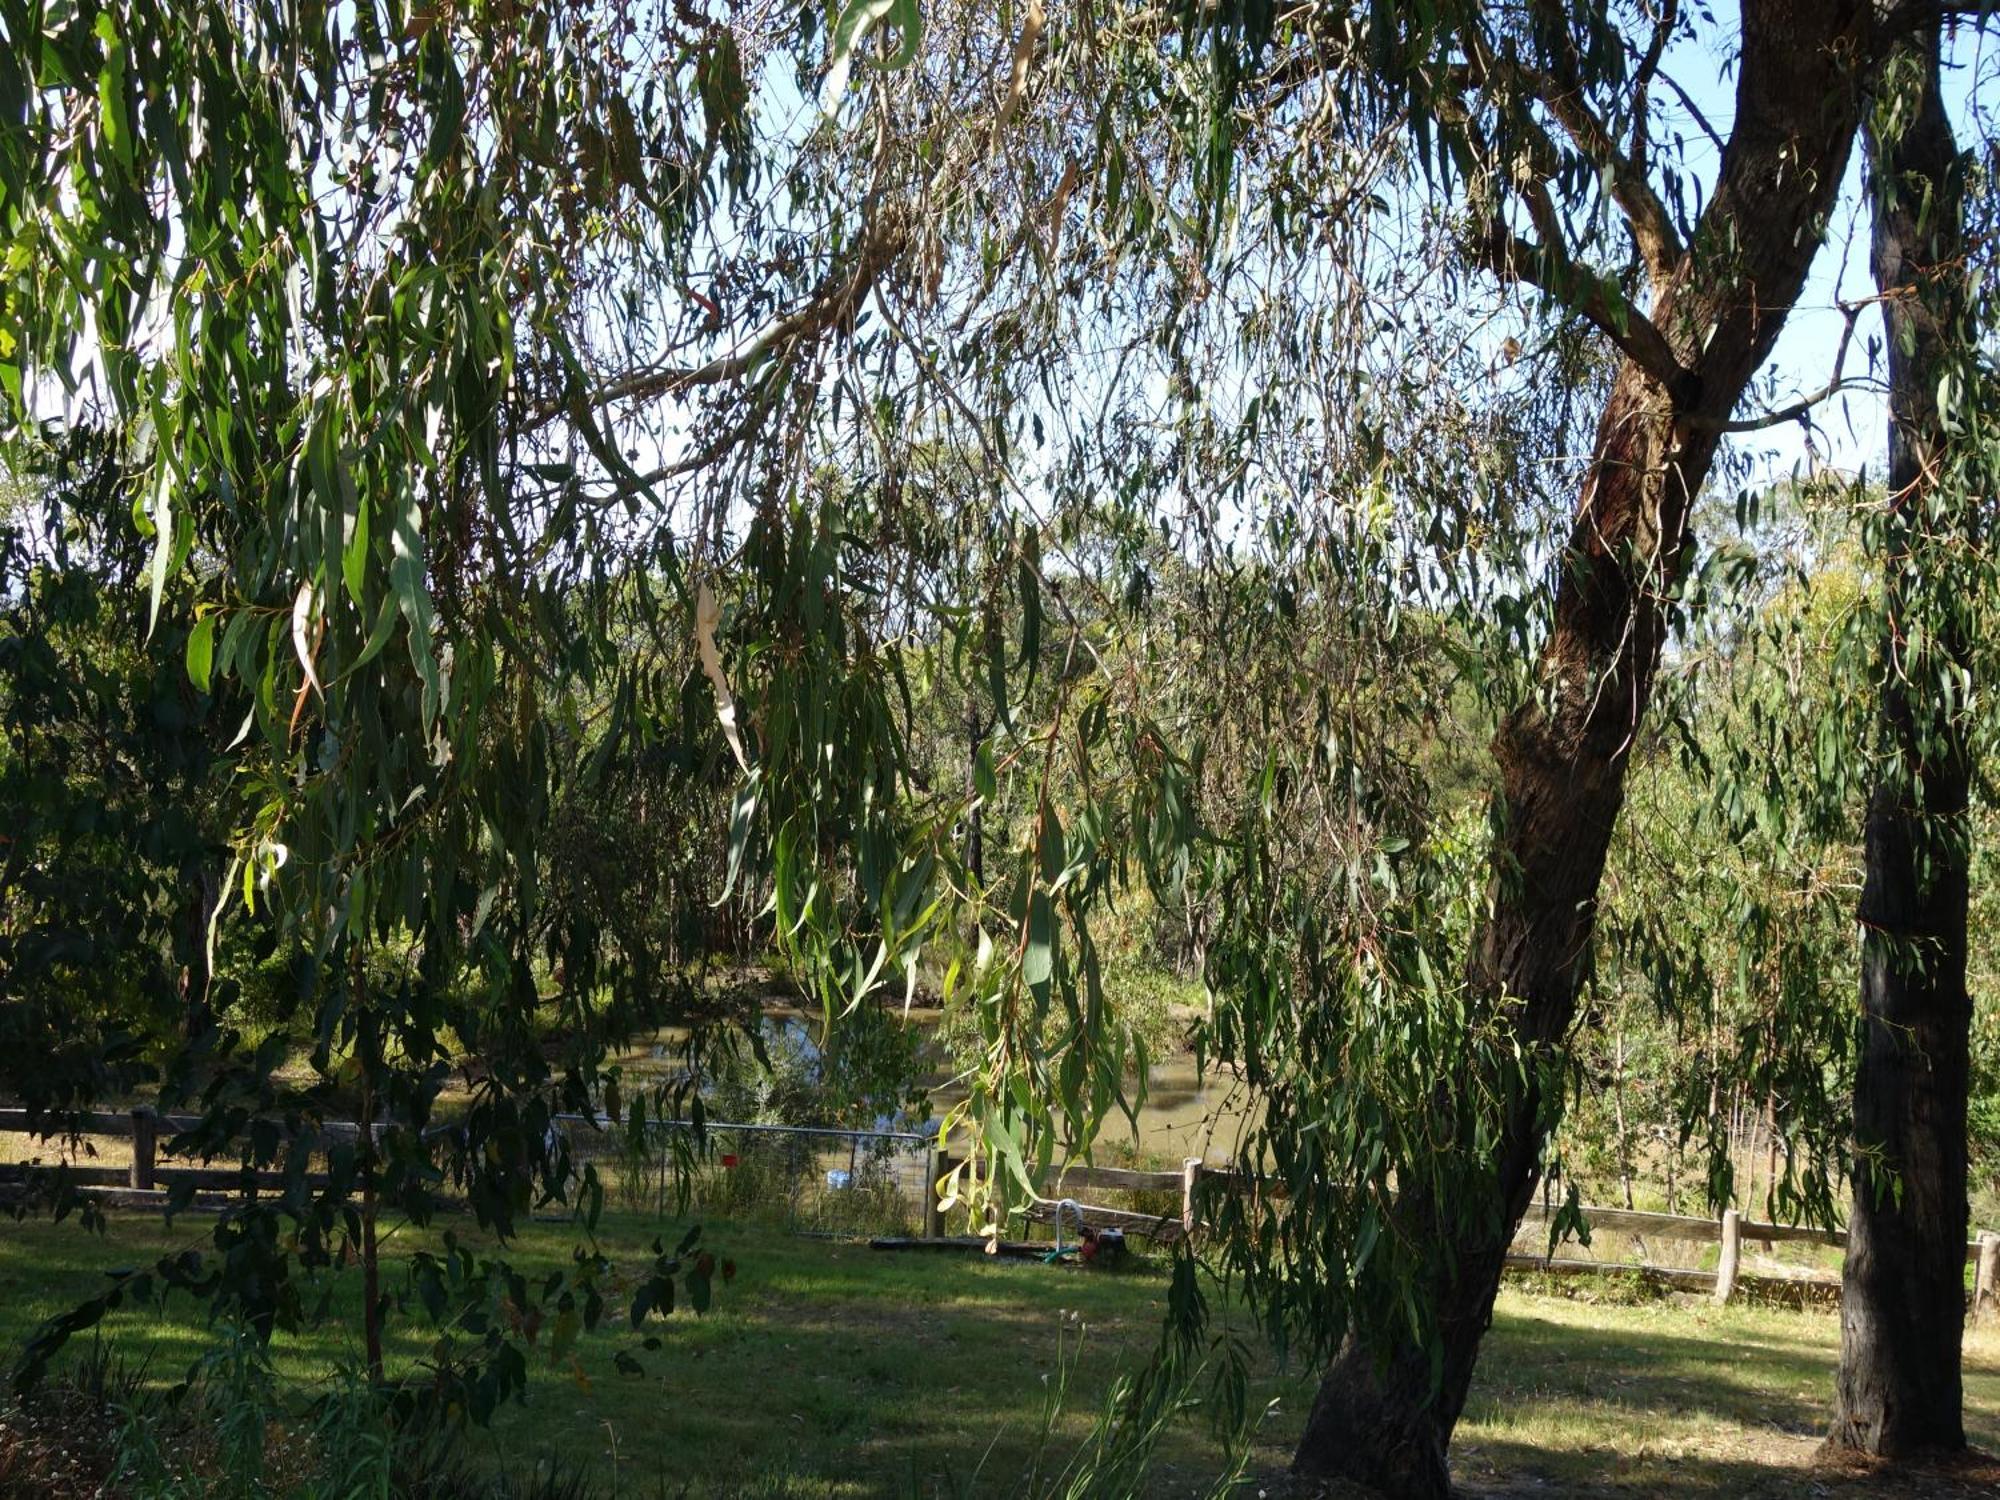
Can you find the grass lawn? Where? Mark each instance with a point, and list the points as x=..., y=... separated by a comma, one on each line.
x=829, y=1369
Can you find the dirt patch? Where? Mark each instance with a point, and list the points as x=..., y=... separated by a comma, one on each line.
x=1837, y=1473
x=56, y=1446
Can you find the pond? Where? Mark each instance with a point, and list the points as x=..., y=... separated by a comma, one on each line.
x=1183, y=1113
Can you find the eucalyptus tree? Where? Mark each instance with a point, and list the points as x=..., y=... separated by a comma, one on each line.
x=113, y=791
x=1190, y=188
x=1541, y=127
x=1903, y=1296
x=356, y=293
x=475, y=343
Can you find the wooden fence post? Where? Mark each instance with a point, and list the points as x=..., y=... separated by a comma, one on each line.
x=1190, y=1175
x=1732, y=1255
x=145, y=1146
x=1986, y=1276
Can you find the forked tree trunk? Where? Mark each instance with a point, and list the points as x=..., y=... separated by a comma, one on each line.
x=1380, y=1417
x=1903, y=1289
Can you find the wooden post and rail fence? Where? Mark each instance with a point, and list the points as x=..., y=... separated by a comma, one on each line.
x=145, y=1181
x=1729, y=1233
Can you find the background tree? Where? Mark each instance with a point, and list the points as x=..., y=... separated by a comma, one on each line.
x=118, y=800
x=1524, y=115
x=340, y=322
x=1903, y=1300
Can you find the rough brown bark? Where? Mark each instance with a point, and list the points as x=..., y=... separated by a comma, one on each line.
x=1379, y=1417
x=1903, y=1288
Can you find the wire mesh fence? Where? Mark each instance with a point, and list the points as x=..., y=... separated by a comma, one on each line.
x=805, y=1179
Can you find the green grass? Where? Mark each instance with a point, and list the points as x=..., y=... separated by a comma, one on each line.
x=824, y=1369
x=832, y=1370
x=1675, y=1397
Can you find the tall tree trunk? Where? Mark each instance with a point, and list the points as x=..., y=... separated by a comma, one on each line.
x=368, y=1053
x=1380, y=1416
x=1770, y=1157
x=1618, y=1115
x=1903, y=1289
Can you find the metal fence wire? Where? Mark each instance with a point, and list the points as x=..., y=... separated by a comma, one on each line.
x=805, y=1179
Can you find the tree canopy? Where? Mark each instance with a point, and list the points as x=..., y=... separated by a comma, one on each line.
x=1168, y=440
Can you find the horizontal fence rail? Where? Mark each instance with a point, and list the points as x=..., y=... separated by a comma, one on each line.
x=819, y=1179
x=854, y=1180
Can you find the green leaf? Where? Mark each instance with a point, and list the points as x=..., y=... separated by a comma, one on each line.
x=406, y=580
x=742, y=818
x=163, y=546
x=1038, y=960
x=354, y=550
x=856, y=24
x=112, y=115
x=201, y=651
x=1001, y=1138
x=386, y=615
x=984, y=782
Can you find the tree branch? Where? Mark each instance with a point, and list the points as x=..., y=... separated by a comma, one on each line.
x=832, y=303
x=1652, y=228
x=1912, y=16
x=1642, y=84
x=1835, y=384
x=1694, y=111
x=1592, y=298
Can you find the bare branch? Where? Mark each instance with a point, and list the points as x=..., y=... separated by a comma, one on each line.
x=832, y=303
x=1591, y=297
x=1835, y=384
x=1642, y=83
x=1652, y=228
x=1694, y=111
x=1909, y=17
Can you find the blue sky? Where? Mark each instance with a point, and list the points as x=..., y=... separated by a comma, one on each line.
x=1849, y=430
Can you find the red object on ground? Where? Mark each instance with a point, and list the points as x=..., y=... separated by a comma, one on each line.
x=729, y=1158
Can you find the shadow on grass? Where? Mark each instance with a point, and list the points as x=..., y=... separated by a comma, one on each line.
x=1514, y=1471
x=1757, y=1382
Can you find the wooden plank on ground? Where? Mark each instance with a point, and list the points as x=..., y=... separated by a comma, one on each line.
x=1153, y=1226
x=963, y=1243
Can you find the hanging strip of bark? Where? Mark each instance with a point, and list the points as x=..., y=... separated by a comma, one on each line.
x=1618, y=1115
x=1903, y=1285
